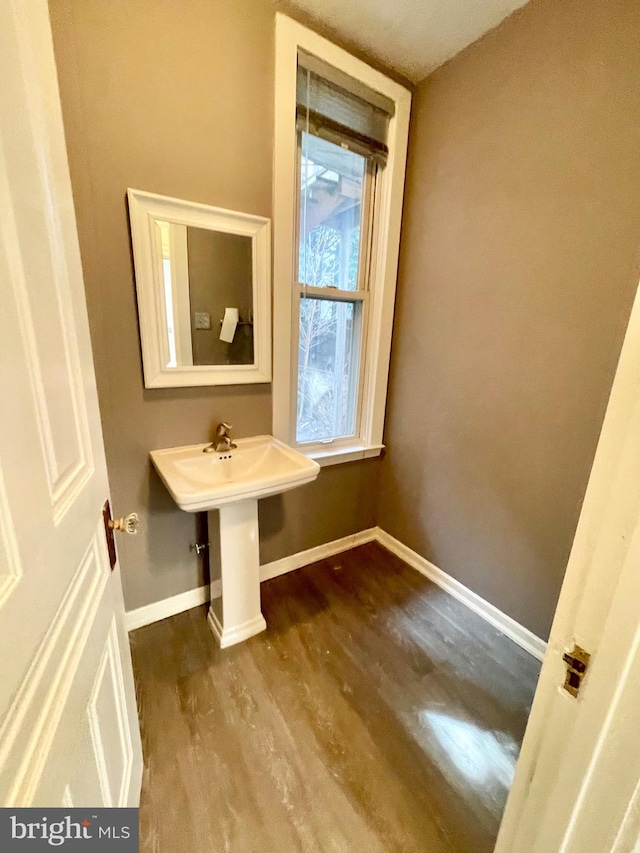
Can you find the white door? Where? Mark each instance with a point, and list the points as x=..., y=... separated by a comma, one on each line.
x=577, y=785
x=68, y=723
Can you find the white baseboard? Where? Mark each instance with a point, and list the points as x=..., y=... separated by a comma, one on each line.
x=312, y=555
x=194, y=597
x=158, y=610
x=508, y=626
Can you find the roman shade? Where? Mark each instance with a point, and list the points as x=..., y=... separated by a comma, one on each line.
x=335, y=107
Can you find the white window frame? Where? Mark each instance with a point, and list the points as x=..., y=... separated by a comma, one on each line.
x=291, y=38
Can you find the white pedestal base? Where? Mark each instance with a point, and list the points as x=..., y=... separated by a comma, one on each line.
x=236, y=634
x=238, y=615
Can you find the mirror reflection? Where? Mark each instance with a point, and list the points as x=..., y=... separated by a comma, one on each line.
x=208, y=295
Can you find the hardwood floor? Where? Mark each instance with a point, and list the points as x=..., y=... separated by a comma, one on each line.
x=376, y=714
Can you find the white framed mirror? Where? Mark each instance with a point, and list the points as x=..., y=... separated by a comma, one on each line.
x=203, y=283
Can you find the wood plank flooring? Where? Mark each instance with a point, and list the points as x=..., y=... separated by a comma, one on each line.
x=376, y=714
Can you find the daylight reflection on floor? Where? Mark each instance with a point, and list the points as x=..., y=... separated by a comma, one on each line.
x=481, y=756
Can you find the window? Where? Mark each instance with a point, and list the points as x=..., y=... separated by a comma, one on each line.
x=341, y=133
x=333, y=237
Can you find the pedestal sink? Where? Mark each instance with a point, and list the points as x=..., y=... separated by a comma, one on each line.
x=232, y=482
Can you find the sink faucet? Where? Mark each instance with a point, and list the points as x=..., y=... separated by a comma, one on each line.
x=222, y=442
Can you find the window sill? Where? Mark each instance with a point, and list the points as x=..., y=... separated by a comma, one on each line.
x=337, y=455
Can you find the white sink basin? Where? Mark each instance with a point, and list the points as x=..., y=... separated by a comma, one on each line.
x=260, y=466
x=232, y=482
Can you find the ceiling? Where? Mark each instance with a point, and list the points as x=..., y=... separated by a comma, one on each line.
x=411, y=37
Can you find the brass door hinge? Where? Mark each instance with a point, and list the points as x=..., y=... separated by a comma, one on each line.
x=577, y=663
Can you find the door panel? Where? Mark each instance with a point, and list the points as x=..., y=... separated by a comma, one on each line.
x=576, y=784
x=10, y=565
x=34, y=714
x=107, y=714
x=67, y=701
x=94, y=755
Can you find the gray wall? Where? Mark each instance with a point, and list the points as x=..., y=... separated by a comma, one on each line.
x=176, y=99
x=518, y=267
x=220, y=276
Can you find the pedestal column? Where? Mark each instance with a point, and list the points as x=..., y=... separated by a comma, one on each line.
x=241, y=616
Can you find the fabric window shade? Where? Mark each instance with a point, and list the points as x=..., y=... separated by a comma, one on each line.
x=332, y=112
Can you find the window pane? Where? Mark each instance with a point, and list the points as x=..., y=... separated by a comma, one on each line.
x=327, y=369
x=331, y=188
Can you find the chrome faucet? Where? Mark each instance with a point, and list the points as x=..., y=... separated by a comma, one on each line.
x=222, y=442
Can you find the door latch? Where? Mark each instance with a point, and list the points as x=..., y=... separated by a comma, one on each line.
x=577, y=663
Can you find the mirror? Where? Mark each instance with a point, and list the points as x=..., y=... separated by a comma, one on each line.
x=203, y=287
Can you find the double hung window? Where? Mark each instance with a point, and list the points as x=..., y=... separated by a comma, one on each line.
x=331, y=382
